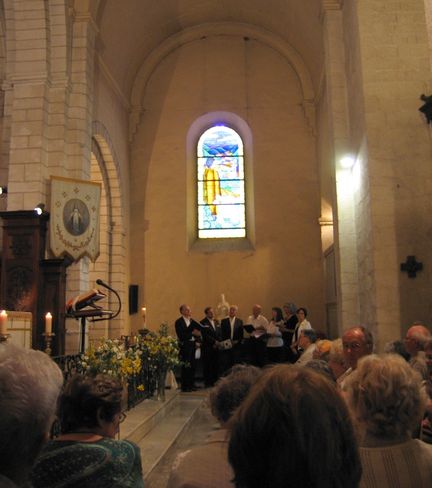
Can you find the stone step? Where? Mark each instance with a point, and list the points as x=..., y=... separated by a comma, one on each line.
x=155, y=425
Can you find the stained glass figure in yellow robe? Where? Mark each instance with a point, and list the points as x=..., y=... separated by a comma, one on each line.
x=211, y=186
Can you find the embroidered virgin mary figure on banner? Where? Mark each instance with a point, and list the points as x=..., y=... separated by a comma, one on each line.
x=74, y=222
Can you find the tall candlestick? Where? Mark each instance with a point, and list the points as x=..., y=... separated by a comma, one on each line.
x=48, y=323
x=3, y=322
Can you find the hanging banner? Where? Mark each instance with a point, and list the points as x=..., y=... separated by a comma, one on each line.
x=74, y=218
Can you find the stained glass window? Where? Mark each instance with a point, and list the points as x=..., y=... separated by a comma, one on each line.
x=221, y=184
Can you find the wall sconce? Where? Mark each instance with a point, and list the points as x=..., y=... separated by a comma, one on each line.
x=40, y=208
x=3, y=191
x=426, y=108
x=347, y=162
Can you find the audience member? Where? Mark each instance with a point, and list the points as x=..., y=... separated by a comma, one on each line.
x=231, y=338
x=322, y=367
x=301, y=325
x=336, y=358
x=207, y=466
x=293, y=429
x=356, y=342
x=189, y=337
x=275, y=349
x=86, y=453
x=426, y=433
x=30, y=383
x=322, y=349
x=255, y=345
x=428, y=359
x=397, y=347
x=415, y=339
x=209, y=349
x=306, y=344
x=387, y=400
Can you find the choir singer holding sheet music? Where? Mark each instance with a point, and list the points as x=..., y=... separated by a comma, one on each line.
x=255, y=346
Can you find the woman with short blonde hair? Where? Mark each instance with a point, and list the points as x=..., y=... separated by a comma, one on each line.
x=387, y=398
x=336, y=358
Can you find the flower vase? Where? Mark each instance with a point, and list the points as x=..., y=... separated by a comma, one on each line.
x=160, y=384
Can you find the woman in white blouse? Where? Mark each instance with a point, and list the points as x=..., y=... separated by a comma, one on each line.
x=275, y=350
x=301, y=325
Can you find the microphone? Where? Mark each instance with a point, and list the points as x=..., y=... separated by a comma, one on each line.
x=102, y=283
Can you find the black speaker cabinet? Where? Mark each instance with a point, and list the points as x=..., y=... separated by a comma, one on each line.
x=133, y=299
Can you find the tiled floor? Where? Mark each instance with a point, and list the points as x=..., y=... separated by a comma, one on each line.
x=196, y=433
x=163, y=429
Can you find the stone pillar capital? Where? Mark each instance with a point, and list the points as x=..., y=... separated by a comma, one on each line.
x=330, y=5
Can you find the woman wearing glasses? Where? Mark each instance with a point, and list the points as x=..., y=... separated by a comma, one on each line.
x=86, y=454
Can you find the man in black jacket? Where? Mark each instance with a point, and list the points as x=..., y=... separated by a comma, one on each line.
x=210, y=333
x=188, y=333
x=231, y=337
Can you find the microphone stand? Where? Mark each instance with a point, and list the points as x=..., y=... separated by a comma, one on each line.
x=101, y=283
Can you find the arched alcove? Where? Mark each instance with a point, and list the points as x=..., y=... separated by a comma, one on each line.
x=111, y=263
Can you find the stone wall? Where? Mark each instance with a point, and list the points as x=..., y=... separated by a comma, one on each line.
x=253, y=81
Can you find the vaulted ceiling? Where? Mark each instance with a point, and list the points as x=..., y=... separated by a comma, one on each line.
x=130, y=30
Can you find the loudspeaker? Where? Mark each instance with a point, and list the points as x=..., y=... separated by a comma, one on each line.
x=133, y=299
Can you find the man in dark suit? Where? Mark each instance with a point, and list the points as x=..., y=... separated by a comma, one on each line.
x=188, y=333
x=231, y=337
x=210, y=333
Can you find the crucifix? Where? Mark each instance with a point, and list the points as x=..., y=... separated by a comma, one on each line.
x=411, y=266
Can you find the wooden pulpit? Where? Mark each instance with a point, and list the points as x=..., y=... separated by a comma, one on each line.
x=29, y=282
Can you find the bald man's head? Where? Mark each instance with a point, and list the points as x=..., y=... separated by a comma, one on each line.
x=415, y=338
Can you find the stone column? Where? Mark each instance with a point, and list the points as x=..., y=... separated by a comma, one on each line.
x=343, y=202
x=79, y=134
x=27, y=98
x=388, y=69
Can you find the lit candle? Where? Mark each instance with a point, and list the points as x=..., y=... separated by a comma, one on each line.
x=143, y=312
x=3, y=322
x=48, y=323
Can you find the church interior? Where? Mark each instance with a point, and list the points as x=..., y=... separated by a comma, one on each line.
x=198, y=157
x=337, y=155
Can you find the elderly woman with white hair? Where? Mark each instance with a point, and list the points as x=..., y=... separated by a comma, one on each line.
x=30, y=383
x=387, y=399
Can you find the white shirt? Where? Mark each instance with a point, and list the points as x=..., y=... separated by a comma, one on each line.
x=232, y=322
x=259, y=322
x=306, y=356
x=298, y=328
x=275, y=339
x=188, y=322
x=407, y=465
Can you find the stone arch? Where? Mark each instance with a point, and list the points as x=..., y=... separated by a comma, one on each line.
x=220, y=28
x=111, y=264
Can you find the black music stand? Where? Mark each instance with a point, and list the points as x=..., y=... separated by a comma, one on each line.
x=83, y=307
x=83, y=315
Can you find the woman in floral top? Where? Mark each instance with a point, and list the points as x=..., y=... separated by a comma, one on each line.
x=86, y=453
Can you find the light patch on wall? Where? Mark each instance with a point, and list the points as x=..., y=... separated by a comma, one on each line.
x=348, y=178
x=356, y=174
